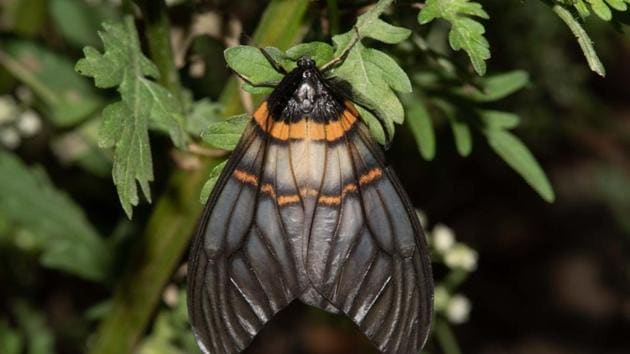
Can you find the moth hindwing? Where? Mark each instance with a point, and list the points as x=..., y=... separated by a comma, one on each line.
x=307, y=210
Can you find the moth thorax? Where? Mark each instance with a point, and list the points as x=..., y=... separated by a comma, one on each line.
x=305, y=96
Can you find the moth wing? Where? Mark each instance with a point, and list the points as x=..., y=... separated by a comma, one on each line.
x=240, y=272
x=372, y=261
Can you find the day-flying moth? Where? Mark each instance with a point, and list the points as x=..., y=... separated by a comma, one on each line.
x=307, y=209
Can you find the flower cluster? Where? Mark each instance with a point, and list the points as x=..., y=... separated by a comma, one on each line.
x=16, y=122
x=461, y=260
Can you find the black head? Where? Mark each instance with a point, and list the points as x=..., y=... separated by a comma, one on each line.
x=304, y=93
x=306, y=63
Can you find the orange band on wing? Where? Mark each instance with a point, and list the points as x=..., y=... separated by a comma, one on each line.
x=284, y=199
x=305, y=128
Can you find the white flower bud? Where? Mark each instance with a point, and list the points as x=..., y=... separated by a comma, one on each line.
x=458, y=309
x=461, y=256
x=443, y=238
x=29, y=123
x=9, y=137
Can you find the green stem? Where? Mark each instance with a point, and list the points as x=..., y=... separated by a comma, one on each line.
x=446, y=338
x=158, y=34
x=25, y=75
x=174, y=217
x=333, y=16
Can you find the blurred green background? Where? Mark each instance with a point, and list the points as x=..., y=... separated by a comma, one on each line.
x=78, y=276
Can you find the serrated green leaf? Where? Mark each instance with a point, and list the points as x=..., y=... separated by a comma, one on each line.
x=68, y=241
x=466, y=33
x=226, y=134
x=495, y=87
x=601, y=9
x=421, y=126
x=583, y=39
x=371, y=26
x=517, y=155
x=377, y=129
x=375, y=78
x=252, y=64
x=212, y=180
x=144, y=104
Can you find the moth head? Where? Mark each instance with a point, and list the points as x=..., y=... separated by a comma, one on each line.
x=306, y=63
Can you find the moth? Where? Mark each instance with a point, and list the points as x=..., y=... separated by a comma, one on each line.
x=307, y=209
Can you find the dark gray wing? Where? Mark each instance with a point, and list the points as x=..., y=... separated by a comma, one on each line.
x=368, y=255
x=241, y=272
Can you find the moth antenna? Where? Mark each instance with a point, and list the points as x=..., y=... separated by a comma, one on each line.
x=272, y=61
x=344, y=54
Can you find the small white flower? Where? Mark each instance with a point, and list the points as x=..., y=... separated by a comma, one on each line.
x=24, y=94
x=443, y=238
x=9, y=137
x=458, y=309
x=29, y=123
x=461, y=256
x=8, y=109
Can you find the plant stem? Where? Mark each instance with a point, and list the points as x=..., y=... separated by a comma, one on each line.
x=158, y=34
x=174, y=217
x=446, y=338
x=333, y=16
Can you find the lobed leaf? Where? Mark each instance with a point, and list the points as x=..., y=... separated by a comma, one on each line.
x=144, y=104
x=466, y=33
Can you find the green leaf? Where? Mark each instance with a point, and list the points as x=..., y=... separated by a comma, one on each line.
x=212, y=180
x=421, y=126
x=79, y=21
x=65, y=96
x=204, y=112
x=618, y=5
x=517, y=155
x=39, y=337
x=466, y=33
x=498, y=120
x=144, y=104
x=252, y=64
x=371, y=26
x=226, y=134
x=321, y=52
x=495, y=87
x=69, y=242
x=583, y=39
x=461, y=130
x=601, y=9
x=10, y=340
x=374, y=76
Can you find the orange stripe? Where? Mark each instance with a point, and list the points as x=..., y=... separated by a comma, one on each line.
x=305, y=128
x=367, y=178
x=370, y=176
